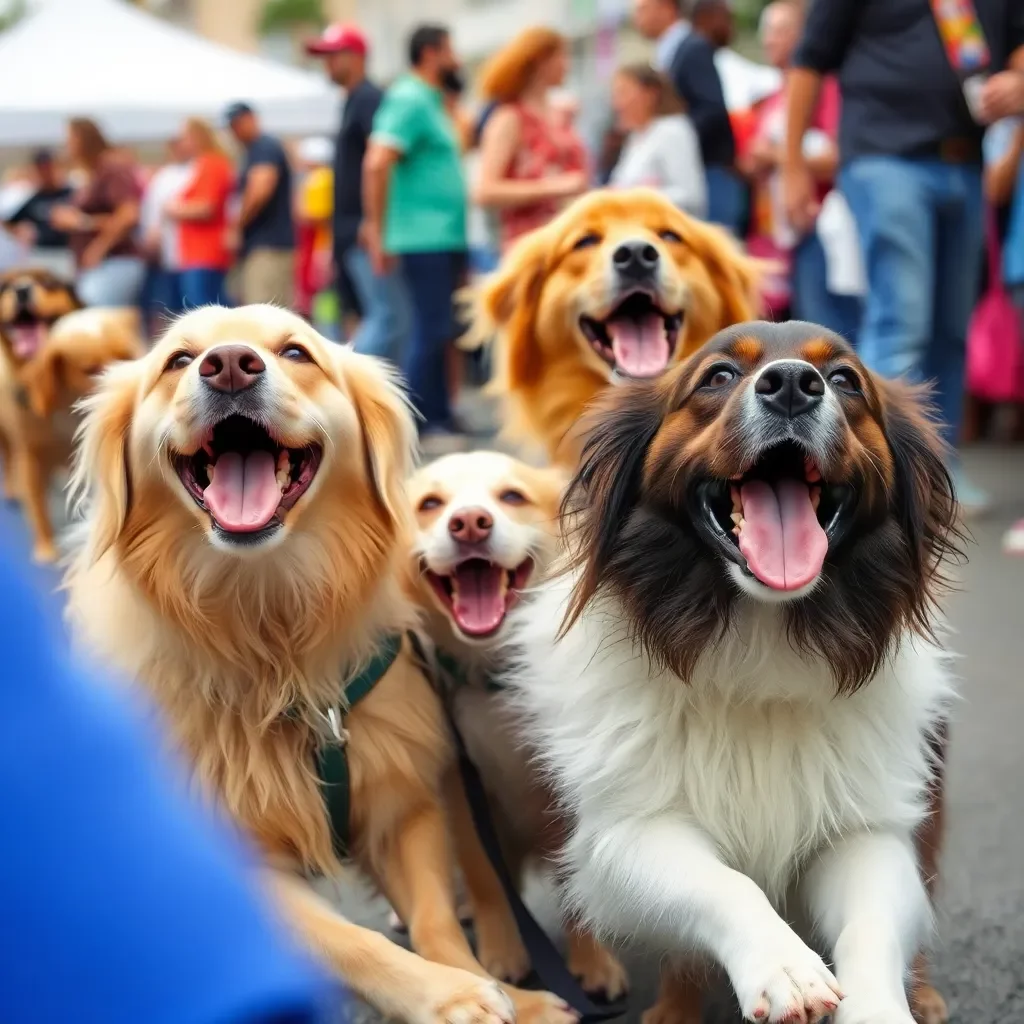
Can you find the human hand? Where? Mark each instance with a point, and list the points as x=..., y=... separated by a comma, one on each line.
x=568, y=185
x=92, y=256
x=798, y=196
x=67, y=218
x=763, y=156
x=1002, y=95
x=369, y=238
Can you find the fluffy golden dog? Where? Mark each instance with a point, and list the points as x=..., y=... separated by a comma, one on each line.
x=49, y=360
x=487, y=526
x=620, y=284
x=244, y=551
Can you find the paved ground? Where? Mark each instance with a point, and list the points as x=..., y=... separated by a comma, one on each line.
x=980, y=960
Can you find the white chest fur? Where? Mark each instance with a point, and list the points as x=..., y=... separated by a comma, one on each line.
x=756, y=750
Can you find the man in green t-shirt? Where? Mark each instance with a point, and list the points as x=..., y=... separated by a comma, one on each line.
x=414, y=211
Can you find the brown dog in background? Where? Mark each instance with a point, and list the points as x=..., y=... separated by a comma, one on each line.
x=50, y=354
x=620, y=284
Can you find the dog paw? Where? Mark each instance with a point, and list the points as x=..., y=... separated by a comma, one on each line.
x=44, y=552
x=503, y=955
x=856, y=1009
x=598, y=971
x=458, y=997
x=928, y=1006
x=541, y=1008
x=794, y=986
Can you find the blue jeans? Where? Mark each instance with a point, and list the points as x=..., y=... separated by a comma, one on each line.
x=920, y=226
x=812, y=301
x=161, y=293
x=430, y=279
x=386, y=317
x=202, y=286
x=727, y=198
x=117, y=281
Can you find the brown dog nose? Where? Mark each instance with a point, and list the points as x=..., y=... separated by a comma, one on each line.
x=470, y=525
x=231, y=368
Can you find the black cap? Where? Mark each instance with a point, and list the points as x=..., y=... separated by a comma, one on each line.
x=236, y=110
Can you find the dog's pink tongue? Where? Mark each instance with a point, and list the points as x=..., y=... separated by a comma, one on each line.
x=781, y=538
x=26, y=340
x=640, y=346
x=479, y=604
x=244, y=494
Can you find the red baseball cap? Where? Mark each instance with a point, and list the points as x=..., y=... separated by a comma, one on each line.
x=336, y=38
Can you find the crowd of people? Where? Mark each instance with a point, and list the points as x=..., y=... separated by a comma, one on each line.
x=871, y=211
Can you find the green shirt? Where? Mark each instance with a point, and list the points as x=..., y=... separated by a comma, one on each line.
x=426, y=205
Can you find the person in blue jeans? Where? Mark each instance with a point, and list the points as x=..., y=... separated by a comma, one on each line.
x=383, y=305
x=414, y=194
x=911, y=173
x=124, y=901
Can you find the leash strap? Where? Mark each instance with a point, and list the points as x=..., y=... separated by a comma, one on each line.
x=332, y=757
x=962, y=36
x=547, y=962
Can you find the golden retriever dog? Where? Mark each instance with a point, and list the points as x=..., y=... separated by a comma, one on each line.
x=620, y=284
x=47, y=363
x=244, y=554
x=487, y=526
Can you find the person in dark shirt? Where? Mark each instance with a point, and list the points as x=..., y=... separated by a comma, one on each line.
x=910, y=169
x=267, y=230
x=686, y=52
x=32, y=220
x=124, y=899
x=381, y=298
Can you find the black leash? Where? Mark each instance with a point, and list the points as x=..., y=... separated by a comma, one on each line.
x=547, y=962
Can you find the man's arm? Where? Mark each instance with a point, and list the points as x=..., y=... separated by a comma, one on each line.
x=259, y=187
x=377, y=165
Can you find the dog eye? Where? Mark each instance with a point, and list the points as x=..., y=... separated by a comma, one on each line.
x=429, y=503
x=845, y=380
x=296, y=354
x=718, y=377
x=179, y=361
x=587, y=241
x=670, y=236
x=512, y=497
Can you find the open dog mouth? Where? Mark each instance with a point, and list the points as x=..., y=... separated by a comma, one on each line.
x=478, y=594
x=26, y=333
x=778, y=519
x=638, y=338
x=245, y=479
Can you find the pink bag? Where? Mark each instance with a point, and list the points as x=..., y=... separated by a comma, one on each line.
x=995, y=338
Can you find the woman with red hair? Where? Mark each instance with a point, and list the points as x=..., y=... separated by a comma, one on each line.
x=531, y=161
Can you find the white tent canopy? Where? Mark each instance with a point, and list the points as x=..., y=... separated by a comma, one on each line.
x=139, y=77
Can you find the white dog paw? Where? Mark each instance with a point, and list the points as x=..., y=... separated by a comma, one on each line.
x=794, y=986
x=857, y=1009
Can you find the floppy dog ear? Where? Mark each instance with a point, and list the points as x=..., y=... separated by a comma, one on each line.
x=506, y=308
x=923, y=499
x=735, y=278
x=389, y=430
x=616, y=432
x=100, y=479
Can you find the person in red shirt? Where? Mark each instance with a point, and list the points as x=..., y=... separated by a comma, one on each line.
x=201, y=210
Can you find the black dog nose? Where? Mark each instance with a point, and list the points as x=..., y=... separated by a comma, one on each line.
x=23, y=292
x=790, y=388
x=636, y=259
x=231, y=368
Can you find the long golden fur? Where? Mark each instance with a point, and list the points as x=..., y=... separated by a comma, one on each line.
x=559, y=281
x=246, y=639
x=50, y=354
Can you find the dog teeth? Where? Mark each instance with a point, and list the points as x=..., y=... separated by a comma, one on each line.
x=815, y=497
x=737, y=518
x=737, y=500
x=811, y=471
x=209, y=472
x=503, y=584
x=284, y=466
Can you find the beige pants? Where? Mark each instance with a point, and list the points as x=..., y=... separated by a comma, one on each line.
x=267, y=275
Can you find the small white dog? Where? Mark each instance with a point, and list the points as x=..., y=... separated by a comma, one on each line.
x=738, y=705
x=487, y=529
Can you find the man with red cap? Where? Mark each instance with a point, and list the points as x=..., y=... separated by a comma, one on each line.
x=380, y=298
